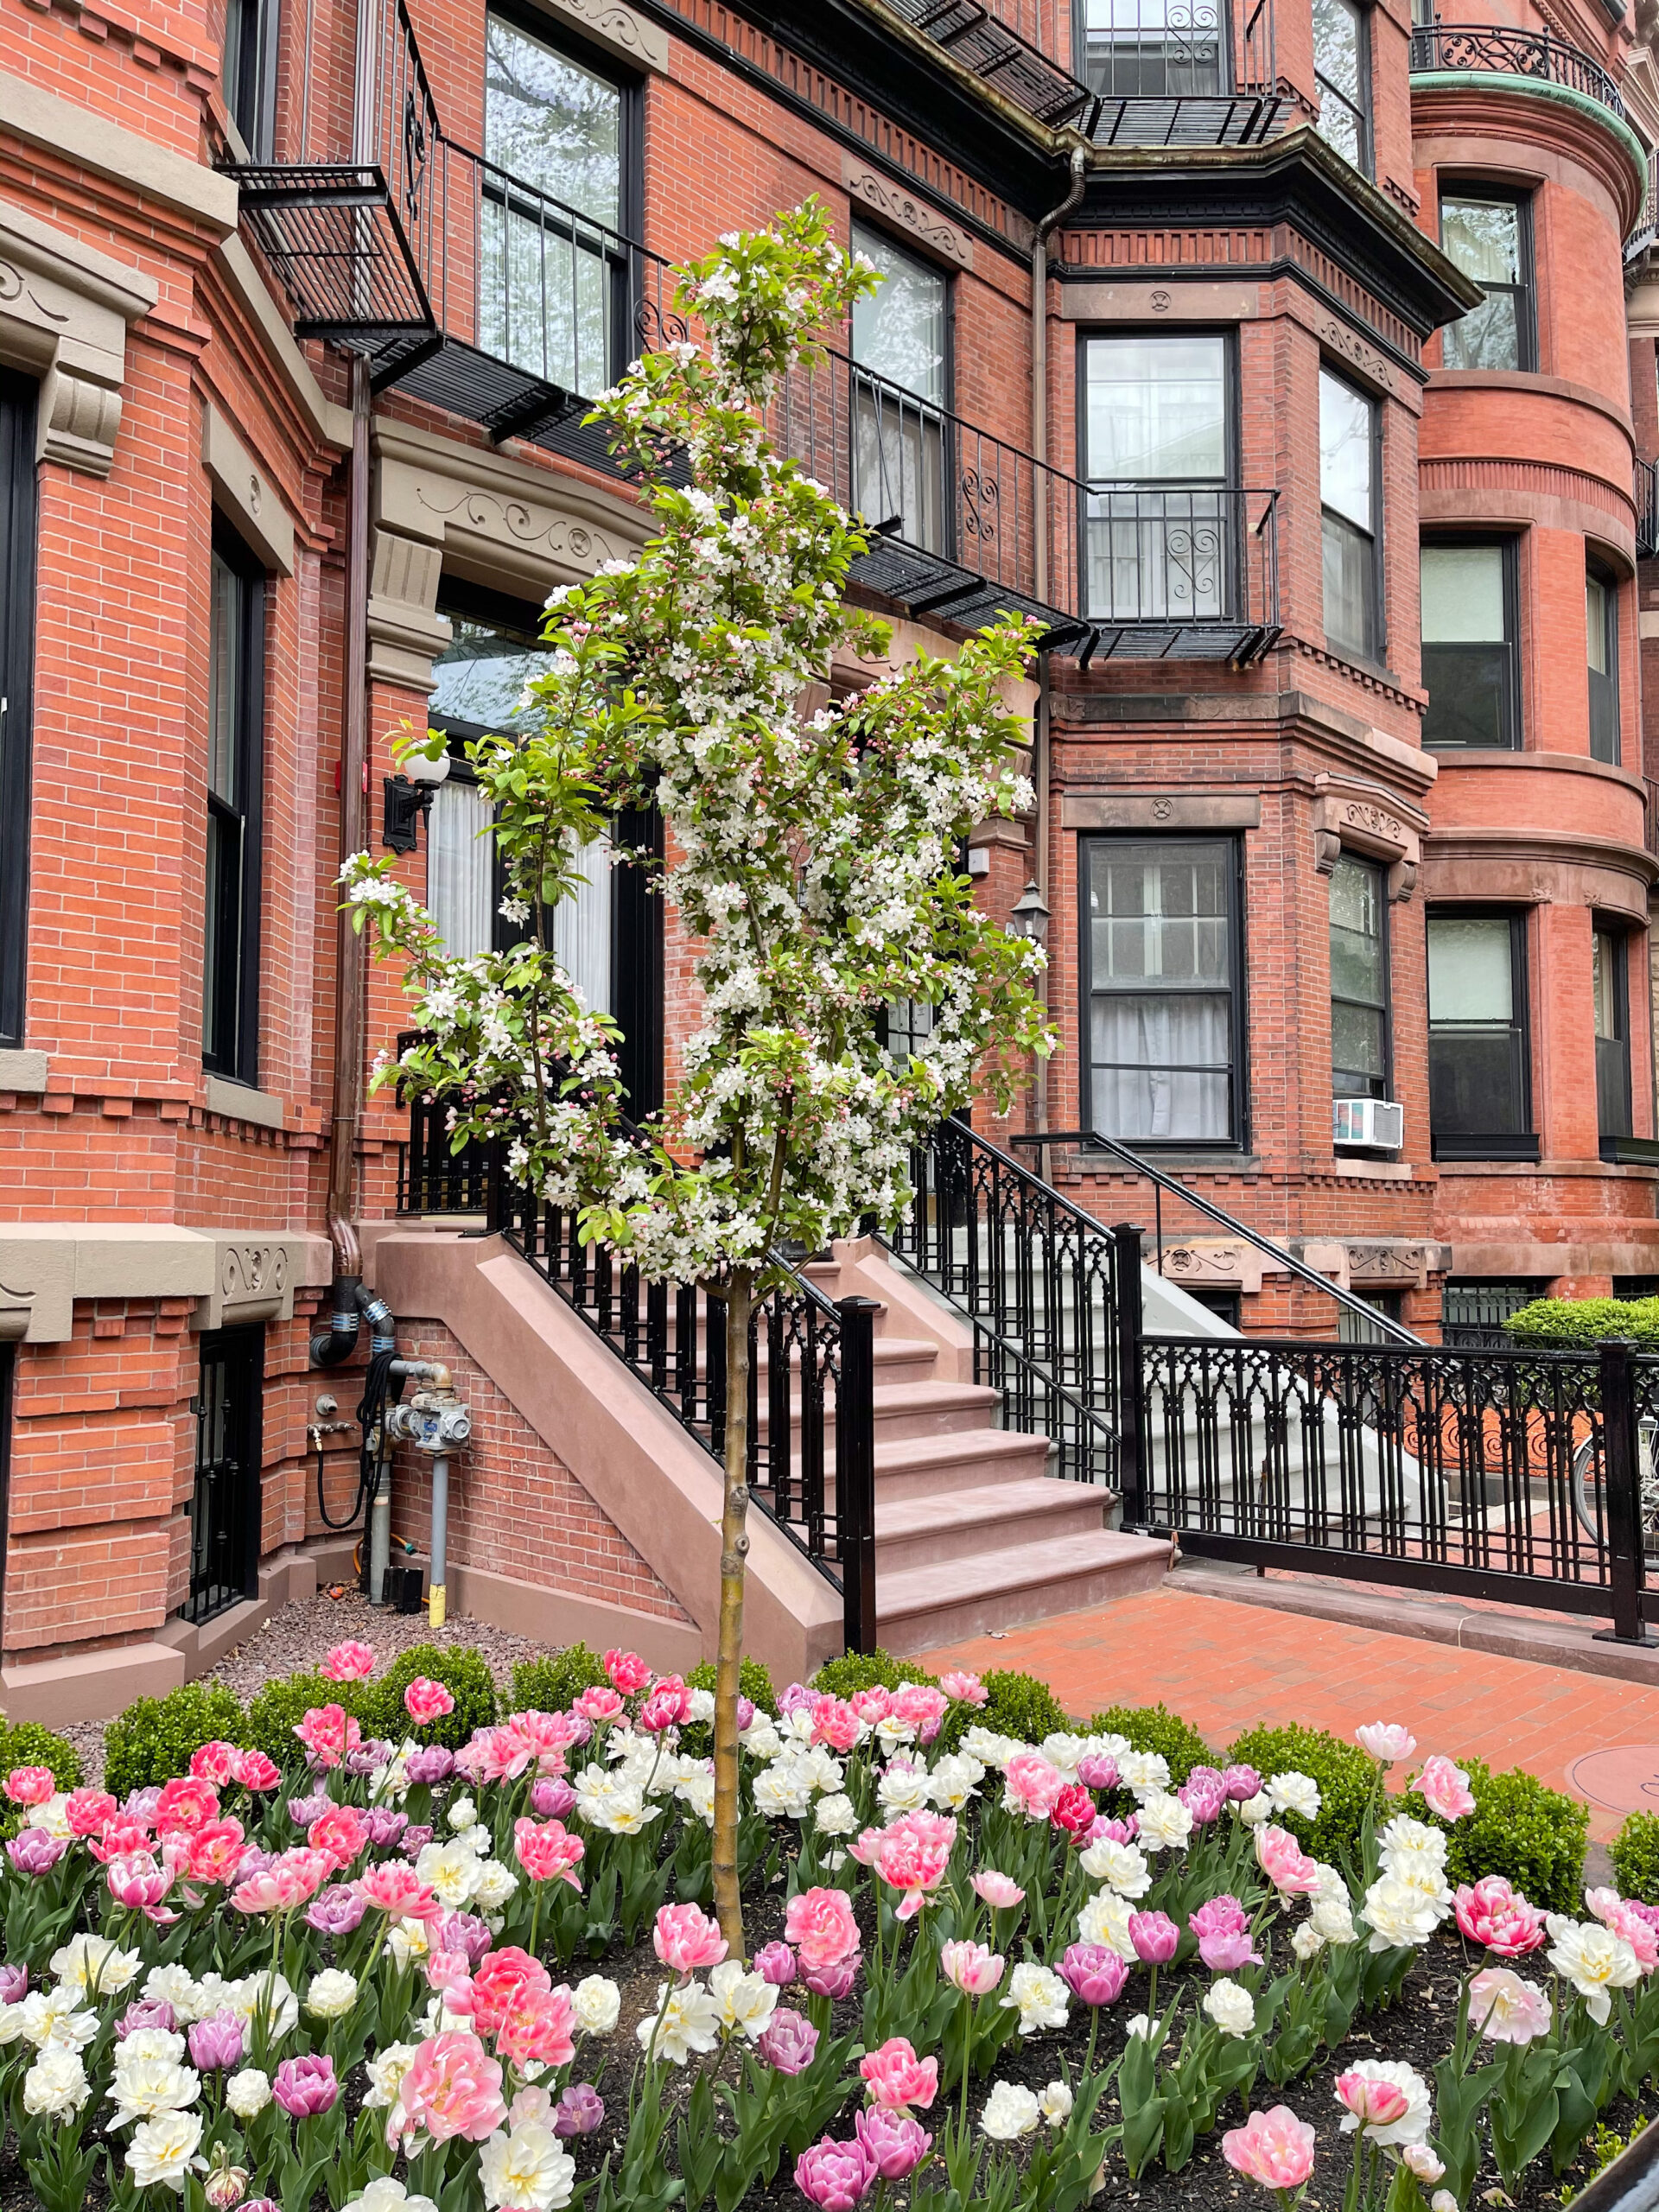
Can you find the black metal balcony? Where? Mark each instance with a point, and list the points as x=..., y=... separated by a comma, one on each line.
x=1182, y=72
x=1507, y=52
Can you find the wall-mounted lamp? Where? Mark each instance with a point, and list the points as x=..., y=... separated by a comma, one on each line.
x=408, y=796
x=1030, y=915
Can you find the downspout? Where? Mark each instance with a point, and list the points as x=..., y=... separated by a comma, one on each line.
x=1039, y=750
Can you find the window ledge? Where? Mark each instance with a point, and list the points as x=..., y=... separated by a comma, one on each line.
x=1375, y=1171
x=23, y=1073
x=1198, y=1160
x=242, y=1102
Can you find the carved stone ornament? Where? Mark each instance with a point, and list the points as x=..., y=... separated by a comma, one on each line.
x=255, y=1276
x=611, y=23
x=1214, y=1267
x=899, y=205
x=1372, y=364
x=1365, y=818
x=64, y=314
x=1399, y=1265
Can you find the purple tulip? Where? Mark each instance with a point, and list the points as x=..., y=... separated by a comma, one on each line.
x=775, y=1962
x=385, y=1826
x=414, y=1840
x=147, y=2012
x=253, y=1861
x=552, y=1798
x=1204, y=1800
x=796, y=1699
x=580, y=2111
x=34, y=1852
x=335, y=1910
x=1094, y=1973
x=13, y=1985
x=789, y=2042
x=832, y=1981
x=304, y=1810
x=1114, y=1831
x=745, y=1714
x=1240, y=1782
x=141, y=1806
x=582, y=1727
x=429, y=1763
x=1209, y=1773
x=367, y=1756
x=217, y=2042
x=892, y=2141
x=464, y=1932
x=305, y=2088
x=1155, y=1938
x=1223, y=1929
x=1648, y=1912
x=834, y=2176
x=1096, y=1772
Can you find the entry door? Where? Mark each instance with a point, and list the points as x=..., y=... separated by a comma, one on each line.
x=225, y=1506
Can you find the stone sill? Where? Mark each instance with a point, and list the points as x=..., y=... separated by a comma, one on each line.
x=242, y=1102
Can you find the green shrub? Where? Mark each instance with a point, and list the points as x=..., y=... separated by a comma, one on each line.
x=1532, y=1835
x=1017, y=1705
x=285, y=1700
x=1582, y=1323
x=1155, y=1728
x=754, y=1684
x=554, y=1684
x=466, y=1674
x=1346, y=1779
x=865, y=1670
x=153, y=1740
x=1635, y=1855
x=29, y=1745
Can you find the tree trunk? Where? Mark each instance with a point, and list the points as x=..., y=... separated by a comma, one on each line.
x=733, y=1554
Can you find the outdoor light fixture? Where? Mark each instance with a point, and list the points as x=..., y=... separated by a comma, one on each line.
x=1030, y=916
x=408, y=796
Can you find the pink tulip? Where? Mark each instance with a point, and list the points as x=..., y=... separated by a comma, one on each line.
x=215, y=1763
x=872, y=1706
x=599, y=1705
x=1493, y=1914
x=425, y=1701
x=88, y=1812
x=912, y=1854
x=1386, y=1741
x=539, y=2028
x=35, y=1851
x=788, y=2043
x=186, y=1804
x=835, y=2175
x=306, y=2087
x=894, y=2143
x=1374, y=2103
x=896, y=2078
x=1001, y=1891
x=684, y=1939
x=120, y=1839
x=255, y=1771
x=1096, y=1772
x=1284, y=1862
x=544, y=1737
x=452, y=2087
x=963, y=1688
x=340, y=1833
x=1445, y=1789
x=349, y=1662
x=328, y=1733
x=835, y=1723
x=139, y=1885
x=921, y=1707
x=668, y=1706
x=398, y=1891
x=974, y=1969
x=1505, y=2009
x=31, y=1785
x=833, y=1979
x=1155, y=1938
x=502, y=1982
x=1094, y=1973
x=820, y=1925
x=775, y=1962
x=1275, y=2148
x=1635, y=1928
x=1034, y=1784
x=627, y=1671
x=1241, y=1783
x=550, y=1853
x=1223, y=1929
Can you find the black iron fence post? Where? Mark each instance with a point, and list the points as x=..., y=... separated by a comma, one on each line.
x=855, y=1470
x=1126, y=1300
x=1621, y=1492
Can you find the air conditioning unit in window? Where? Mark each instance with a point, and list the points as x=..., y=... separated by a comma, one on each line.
x=1368, y=1124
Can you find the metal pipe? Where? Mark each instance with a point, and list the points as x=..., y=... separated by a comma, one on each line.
x=1041, y=776
x=435, y=1602
x=425, y=1371
x=380, y=1533
x=1039, y=356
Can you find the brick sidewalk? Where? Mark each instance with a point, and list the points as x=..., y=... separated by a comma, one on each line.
x=1227, y=1667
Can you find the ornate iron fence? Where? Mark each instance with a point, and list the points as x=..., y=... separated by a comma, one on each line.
x=1507, y=51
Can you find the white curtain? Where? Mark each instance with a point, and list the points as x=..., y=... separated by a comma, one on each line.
x=1160, y=1067
x=581, y=928
x=461, y=868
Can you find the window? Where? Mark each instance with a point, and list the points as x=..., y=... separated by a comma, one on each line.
x=1153, y=49
x=224, y=1510
x=1472, y=665
x=1474, y=1311
x=1348, y=474
x=235, y=749
x=1610, y=984
x=249, y=72
x=900, y=336
x=909, y=1025
x=1342, y=70
x=1601, y=637
x=1354, y=1329
x=1359, y=980
x=1158, y=447
x=554, y=275
x=1479, y=1057
x=1161, y=978
x=1490, y=237
x=18, y=398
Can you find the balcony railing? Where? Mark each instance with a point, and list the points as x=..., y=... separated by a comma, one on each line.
x=1647, y=509
x=1508, y=52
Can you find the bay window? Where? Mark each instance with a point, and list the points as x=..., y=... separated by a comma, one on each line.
x=1359, y=979
x=1479, y=1051
x=1470, y=644
x=1349, y=517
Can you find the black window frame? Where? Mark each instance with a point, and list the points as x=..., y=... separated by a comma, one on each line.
x=1223, y=34
x=1454, y=188
x=230, y=1012
x=1512, y=703
x=1373, y=651
x=1365, y=113
x=1387, y=1305
x=249, y=72
x=1613, y=1071
x=1474, y=1144
x=1607, y=733
x=19, y=534
x=1487, y=1302
x=1378, y=870
x=933, y=419
x=1238, y=1140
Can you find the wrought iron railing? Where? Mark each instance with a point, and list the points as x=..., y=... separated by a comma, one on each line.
x=1507, y=51
x=432, y=1177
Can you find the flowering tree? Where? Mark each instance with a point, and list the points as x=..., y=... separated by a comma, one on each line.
x=813, y=859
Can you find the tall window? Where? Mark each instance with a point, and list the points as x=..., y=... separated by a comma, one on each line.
x=1472, y=665
x=236, y=746
x=553, y=276
x=1490, y=237
x=1348, y=474
x=1157, y=447
x=1342, y=69
x=1479, y=1058
x=249, y=72
x=1609, y=984
x=223, y=1510
x=1601, y=637
x=1359, y=980
x=18, y=398
x=1153, y=49
x=901, y=336
x=1160, y=952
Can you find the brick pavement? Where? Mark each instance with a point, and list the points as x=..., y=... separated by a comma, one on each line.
x=1227, y=1667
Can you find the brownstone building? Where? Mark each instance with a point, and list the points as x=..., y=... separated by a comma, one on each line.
x=1274, y=355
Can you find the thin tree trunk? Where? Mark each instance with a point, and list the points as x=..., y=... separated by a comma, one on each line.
x=734, y=1555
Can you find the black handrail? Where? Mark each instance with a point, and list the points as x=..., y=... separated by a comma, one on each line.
x=1507, y=51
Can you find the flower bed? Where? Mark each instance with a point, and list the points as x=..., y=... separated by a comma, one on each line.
x=981, y=1973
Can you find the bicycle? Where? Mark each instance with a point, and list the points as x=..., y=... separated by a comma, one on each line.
x=1587, y=1484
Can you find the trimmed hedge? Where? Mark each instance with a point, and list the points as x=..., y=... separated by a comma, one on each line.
x=154, y=1739
x=754, y=1682
x=1532, y=1835
x=1155, y=1728
x=29, y=1745
x=553, y=1685
x=1635, y=1855
x=1580, y=1324
x=1346, y=1779
x=865, y=1670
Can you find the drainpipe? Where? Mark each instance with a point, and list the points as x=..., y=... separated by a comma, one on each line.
x=436, y=1591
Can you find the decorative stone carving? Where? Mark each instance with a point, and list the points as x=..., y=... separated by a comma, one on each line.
x=64, y=314
x=1371, y=365
x=1214, y=1267
x=253, y=1280
x=899, y=205
x=1348, y=811
x=1392, y=1264
x=623, y=30
x=1124, y=810
x=251, y=503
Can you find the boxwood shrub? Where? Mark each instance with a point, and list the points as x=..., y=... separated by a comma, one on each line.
x=154, y=1739
x=865, y=1670
x=754, y=1682
x=1635, y=1855
x=29, y=1745
x=1155, y=1728
x=465, y=1673
x=1346, y=1779
x=1580, y=1324
x=1532, y=1835
x=285, y=1700
x=553, y=1684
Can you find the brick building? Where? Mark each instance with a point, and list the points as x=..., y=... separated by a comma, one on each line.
x=1274, y=354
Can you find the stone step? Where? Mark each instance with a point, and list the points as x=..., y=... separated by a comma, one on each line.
x=990, y=1519
x=947, y=1601
x=909, y=1410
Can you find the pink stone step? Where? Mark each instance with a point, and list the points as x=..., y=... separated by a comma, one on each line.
x=948, y=1600
x=992, y=1519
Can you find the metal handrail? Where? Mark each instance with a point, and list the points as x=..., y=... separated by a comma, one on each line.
x=1508, y=51
x=1280, y=1258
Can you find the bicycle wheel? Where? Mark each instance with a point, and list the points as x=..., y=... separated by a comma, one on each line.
x=1586, y=1487
x=1586, y=1482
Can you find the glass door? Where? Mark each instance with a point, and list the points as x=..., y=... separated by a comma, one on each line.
x=899, y=434
x=1155, y=430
